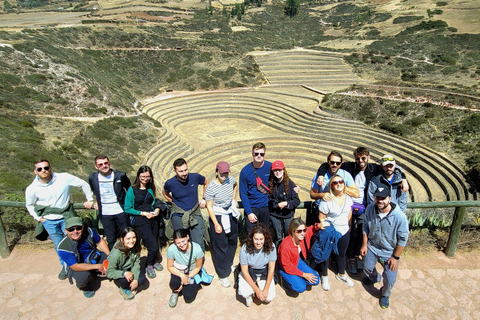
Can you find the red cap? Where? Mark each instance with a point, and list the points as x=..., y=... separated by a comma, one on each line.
x=278, y=165
x=223, y=167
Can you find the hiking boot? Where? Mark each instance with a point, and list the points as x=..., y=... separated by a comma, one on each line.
x=248, y=301
x=359, y=264
x=384, y=302
x=173, y=300
x=225, y=282
x=157, y=266
x=352, y=266
x=325, y=283
x=126, y=294
x=63, y=274
x=150, y=272
x=88, y=294
x=345, y=279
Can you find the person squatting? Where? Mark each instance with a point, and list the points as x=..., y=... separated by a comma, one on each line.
x=358, y=220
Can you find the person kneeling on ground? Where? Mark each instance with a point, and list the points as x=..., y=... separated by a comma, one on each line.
x=257, y=261
x=78, y=249
x=293, y=253
x=184, y=261
x=124, y=263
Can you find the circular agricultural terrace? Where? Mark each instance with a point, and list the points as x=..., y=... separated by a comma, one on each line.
x=208, y=127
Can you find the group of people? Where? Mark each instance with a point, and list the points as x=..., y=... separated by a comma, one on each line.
x=359, y=212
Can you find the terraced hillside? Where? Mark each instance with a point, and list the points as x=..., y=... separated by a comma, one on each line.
x=325, y=70
x=208, y=127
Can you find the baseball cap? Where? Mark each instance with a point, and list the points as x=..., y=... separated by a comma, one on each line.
x=388, y=159
x=223, y=167
x=73, y=222
x=278, y=165
x=382, y=190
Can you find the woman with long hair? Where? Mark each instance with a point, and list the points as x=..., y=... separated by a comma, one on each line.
x=144, y=209
x=293, y=253
x=257, y=262
x=337, y=212
x=282, y=200
x=222, y=209
x=124, y=263
x=184, y=262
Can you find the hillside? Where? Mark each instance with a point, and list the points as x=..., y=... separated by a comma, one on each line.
x=97, y=59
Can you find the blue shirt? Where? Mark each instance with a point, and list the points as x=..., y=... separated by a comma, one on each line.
x=347, y=177
x=251, y=197
x=185, y=194
x=83, y=248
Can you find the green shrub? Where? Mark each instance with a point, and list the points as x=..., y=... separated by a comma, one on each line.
x=36, y=79
x=415, y=122
x=406, y=19
x=395, y=128
x=441, y=3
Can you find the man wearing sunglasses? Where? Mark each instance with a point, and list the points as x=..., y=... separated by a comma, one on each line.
x=47, y=200
x=320, y=192
x=110, y=187
x=362, y=172
x=254, y=188
x=79, y=251
x=391, y=176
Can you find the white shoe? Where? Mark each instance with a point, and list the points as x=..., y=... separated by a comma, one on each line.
x=248, y=301
x=325, y=283
x=345, y=279
x=225, y=282
x=233, y=268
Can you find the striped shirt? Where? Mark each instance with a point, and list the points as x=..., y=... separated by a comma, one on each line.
x=221, y=194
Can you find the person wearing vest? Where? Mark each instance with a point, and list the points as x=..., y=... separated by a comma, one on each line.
x=78, y=249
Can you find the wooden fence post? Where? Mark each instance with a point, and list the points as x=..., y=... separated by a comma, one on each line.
x=455, y=231
x=4, y=250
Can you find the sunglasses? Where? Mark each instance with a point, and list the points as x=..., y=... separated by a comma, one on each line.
x=388, y=159
x=75, y=228
x=361, y=159
x=337, y=182
x=104, y=164
x=256, y=154
x=39, y=169
x=301, y=231
x=335, y=163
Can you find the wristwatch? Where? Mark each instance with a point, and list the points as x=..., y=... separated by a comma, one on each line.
x=395, y=257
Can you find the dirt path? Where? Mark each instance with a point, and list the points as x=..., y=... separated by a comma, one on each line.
x=429, y=286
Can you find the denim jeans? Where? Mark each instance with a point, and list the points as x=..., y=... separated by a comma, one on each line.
x=56, y=231
x=389, y=276
x=297, y=283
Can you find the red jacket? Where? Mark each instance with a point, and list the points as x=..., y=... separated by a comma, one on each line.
x=288, y=252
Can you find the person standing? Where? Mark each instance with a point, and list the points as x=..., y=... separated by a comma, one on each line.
x=385, y=235
x=182, y=191
x=47, y=200
x=222, y=209
x=254, y=188
x=110, y=187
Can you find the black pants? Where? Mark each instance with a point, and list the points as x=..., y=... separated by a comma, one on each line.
x=124, y=284
x=263, y=216
x=113, y=225
x=224, y=246
x=356, y=237
x=189, y=291
x=84, y=280
x=340, y=258
x=149, y=234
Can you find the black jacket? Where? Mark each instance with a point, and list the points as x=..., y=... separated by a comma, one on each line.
x=121, y=183
x=278, y=195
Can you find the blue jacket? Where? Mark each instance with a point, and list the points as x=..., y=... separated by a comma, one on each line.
x=385, y=234
x=325, y=242
x=398, y=196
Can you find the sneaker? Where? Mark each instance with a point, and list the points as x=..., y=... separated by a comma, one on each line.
x=126, y=294
x=63, y=274
x=150, y=272
x=345, y=279
x=173, y=300
x=157, y=266
x=88, y=294
x=248, y=301
x=352, y=266
x=359, y=264
x=233, y=268
x=325, y=283
x=366, y=281
x=225, y=282
x=384, y=302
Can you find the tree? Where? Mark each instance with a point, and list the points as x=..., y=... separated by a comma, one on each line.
x=291, y=8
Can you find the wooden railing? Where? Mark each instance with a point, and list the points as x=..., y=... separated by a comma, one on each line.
x=449, y=250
